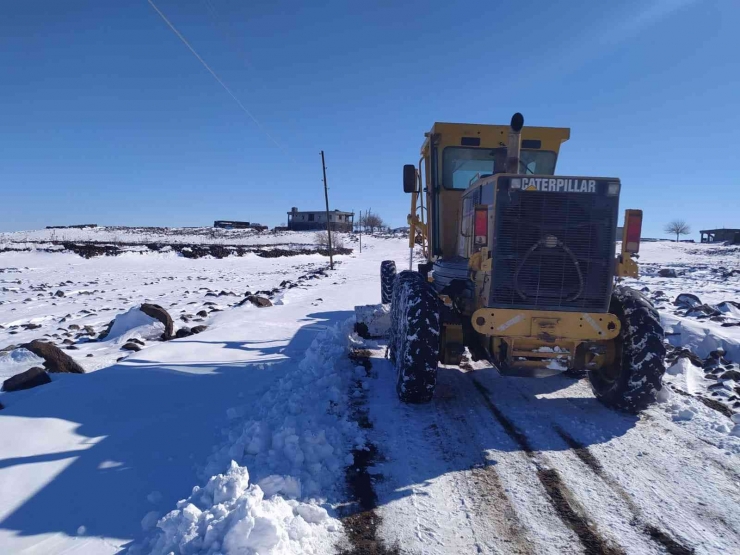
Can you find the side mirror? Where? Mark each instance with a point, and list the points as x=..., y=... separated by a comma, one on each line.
x=409, y=178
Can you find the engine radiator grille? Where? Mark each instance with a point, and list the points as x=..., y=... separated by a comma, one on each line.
x=540, y=242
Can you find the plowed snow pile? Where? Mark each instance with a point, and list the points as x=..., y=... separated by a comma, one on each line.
x=299, y=442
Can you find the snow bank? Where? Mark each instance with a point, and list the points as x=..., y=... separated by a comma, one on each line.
x=302, y=428
x=236, y=518
x=134, y=320
x=297, y=444
x=17, y=361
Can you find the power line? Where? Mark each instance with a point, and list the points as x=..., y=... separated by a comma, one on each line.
x=216, y=77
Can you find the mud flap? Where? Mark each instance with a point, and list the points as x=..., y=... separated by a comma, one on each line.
x=372, y=320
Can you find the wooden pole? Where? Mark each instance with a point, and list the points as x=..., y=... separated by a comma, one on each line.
x=328, y=222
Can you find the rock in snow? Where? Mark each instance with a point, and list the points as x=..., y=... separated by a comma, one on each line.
x=257, y=301
x=54, y=359
x=156, y=311
x=26, y=380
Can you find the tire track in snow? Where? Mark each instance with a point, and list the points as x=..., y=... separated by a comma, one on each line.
x=671, y=545
x=361, y=522
x=562, y=500
x=481, y=486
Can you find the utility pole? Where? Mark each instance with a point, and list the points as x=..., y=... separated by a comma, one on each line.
x=360, y=228
x=328, y=222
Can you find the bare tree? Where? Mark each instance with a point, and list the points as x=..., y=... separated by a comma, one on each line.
x=371, y=221
x=679, y=227
x=322, y=240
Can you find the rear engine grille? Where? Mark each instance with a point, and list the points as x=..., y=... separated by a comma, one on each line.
x=527, y=273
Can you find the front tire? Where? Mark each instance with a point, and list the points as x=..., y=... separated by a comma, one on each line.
x=387, y=279
x=414, y=337
x=632, y=382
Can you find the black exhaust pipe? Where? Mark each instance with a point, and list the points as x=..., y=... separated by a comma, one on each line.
x=515, y=143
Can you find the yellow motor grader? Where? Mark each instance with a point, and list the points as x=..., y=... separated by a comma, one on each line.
x=520, y=268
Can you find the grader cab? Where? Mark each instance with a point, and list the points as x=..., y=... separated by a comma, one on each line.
x=520, y=268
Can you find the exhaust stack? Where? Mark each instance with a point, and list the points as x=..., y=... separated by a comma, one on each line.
x=514, y=144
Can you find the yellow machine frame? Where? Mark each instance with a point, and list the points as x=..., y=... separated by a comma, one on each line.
x=531, y=338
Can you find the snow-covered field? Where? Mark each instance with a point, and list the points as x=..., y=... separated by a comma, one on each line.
x=277, y=430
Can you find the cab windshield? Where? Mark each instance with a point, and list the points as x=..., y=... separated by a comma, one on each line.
x=461, y=165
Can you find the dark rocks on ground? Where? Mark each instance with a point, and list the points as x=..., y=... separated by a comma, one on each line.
x=183, y=332
x=89, y=355
x=703, y=311
x=680, y=352
x=667, y=273
x=119, y=359
x=131, y=347
x=156, y=311
x=59, y=293
x=74, y=327
x=72, y=348
x=197, y=329
x=31, y=326
x=687, y=300
x=215, y=310
x=137, y=341
x=202, y=314
x=256, y=300
x=731, y=375
x=26, y=380
x=9, y=348
x=68, y=342
x=54, y=359
x=106, y=331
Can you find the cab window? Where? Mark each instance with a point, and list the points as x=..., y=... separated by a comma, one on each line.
x=461, y=165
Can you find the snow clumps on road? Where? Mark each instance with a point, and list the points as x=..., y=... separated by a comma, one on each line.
x=297, y=445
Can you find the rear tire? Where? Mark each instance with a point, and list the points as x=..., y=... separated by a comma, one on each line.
x=414, y=337
x=387, y=278
x=634, y=380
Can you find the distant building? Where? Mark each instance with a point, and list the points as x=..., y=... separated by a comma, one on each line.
x=315, y=220
x=720, y=236
x=231, y=224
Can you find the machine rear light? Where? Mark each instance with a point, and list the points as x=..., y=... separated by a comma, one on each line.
x=481, y=226
x=632, y=230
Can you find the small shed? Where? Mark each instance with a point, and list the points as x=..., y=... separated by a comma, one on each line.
x=720, y=236
x=315, y=220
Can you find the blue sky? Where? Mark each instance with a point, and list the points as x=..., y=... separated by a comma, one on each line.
x=106, y=116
